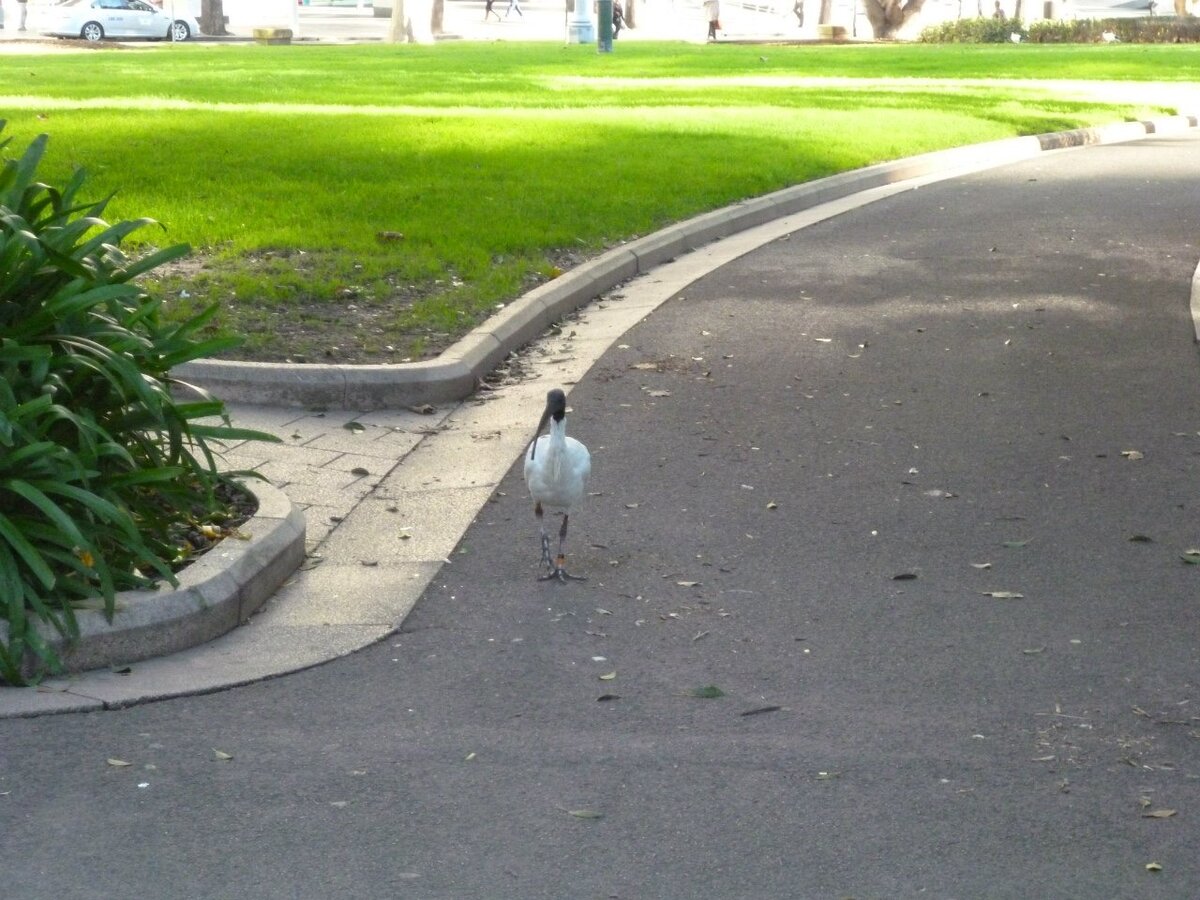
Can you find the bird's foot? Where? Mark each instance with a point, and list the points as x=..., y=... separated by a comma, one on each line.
x=558, y=572
x=547, y=560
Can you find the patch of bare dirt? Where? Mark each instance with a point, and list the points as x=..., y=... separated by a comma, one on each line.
x=355, y=326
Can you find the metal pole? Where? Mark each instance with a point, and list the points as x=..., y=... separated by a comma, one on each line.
x=604, y=13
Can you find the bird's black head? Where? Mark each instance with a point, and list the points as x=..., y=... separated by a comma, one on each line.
x=556, y=408
x=556, y=404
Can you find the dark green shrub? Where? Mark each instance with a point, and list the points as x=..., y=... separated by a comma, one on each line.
x=98, y=461
x=972, y=31
x=1149, y=30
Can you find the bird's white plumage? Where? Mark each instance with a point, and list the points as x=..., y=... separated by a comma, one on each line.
x=557, y=470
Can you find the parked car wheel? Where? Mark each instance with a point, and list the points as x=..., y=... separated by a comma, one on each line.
x=180, y=31
x=92, y=31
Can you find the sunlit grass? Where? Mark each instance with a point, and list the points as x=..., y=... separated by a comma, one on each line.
x=294, y=173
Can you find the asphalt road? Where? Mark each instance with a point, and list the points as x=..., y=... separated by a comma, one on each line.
x=809, y=467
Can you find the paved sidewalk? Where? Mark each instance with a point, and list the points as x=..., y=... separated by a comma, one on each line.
x=823, y=474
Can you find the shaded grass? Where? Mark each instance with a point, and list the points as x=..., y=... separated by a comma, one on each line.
x=287, y=205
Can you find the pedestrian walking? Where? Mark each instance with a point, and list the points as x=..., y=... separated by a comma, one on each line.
x=618, y=18
x=24, y=7
x=712, y=9
x=489, y=11
x=514, y=4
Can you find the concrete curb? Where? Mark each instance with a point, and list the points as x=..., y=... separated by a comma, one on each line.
x=455, y=374
x=216, y=593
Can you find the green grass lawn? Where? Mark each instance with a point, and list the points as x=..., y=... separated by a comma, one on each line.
x=292, y=170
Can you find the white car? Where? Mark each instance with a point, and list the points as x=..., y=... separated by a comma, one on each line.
x=96, y=20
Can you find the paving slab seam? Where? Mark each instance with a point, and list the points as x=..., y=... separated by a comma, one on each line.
x=277, y=641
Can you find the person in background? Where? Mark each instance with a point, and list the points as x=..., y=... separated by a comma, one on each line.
x=618, y=18
x=488, y=11
x=712, y=9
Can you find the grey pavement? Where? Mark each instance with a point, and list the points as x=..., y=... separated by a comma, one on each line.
x=824, y=472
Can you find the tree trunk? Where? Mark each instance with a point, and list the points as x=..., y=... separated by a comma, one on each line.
x=630, y=15
x=889, y=16
x=826, y=14
x=212, y=17
x=437, y=20
x=399, y=29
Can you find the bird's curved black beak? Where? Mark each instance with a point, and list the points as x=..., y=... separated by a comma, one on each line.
x=541, y=427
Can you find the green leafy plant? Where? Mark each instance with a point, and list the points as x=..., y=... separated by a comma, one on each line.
x=99, y=461
x=1147, y=30
x=973, y=31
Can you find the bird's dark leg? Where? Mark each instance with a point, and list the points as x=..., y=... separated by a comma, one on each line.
x=559, y=569
x=546, y=560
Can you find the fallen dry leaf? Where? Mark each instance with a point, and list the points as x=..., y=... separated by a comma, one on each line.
x=760, y=710
x=118, y=763
x=1003, y=595
x=1158, y=814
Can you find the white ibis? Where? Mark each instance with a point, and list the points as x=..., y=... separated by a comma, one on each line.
x=556, y=471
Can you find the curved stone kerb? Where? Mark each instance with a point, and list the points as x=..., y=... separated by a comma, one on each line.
x=215, y=594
